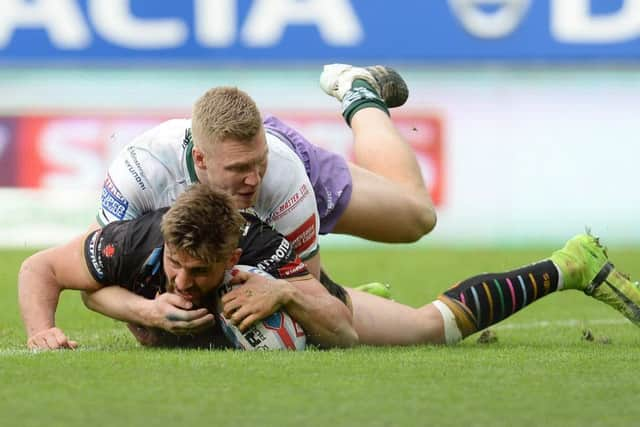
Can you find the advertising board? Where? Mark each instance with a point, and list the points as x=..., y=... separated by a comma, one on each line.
x=293, y=31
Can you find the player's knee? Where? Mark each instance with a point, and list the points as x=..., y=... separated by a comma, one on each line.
x=145, y=336
x=352, y=339
x=428, y=220
x=424, y=221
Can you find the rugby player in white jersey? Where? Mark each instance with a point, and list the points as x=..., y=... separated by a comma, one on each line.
x=298, y=188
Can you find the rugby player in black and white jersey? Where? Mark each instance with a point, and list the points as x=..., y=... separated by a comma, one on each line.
x=167, y=271
x=159, y=273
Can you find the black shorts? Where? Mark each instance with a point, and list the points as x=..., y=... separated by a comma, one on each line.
x=335, y=289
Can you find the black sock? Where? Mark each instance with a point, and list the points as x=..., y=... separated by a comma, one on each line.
x=334, y=288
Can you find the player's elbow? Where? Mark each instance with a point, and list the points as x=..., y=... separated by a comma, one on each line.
x=25, y=268
x=337, y=330
x=344, y=337
x=350, y=338
x=35, y=270
x=29, y=265
x=148, y=337
x=345, y=334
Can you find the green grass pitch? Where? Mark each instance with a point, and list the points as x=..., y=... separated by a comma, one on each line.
x=539, y=372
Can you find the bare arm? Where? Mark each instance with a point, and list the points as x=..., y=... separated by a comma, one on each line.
x=326, y=320
x=42, y=277
x=169, y=312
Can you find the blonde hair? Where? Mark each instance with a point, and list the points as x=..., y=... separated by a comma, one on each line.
x=204, y=224
x=224, y=113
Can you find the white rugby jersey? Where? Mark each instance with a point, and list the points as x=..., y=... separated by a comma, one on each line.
x=153, y=169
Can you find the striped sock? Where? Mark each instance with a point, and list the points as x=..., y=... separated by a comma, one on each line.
x=484, y=300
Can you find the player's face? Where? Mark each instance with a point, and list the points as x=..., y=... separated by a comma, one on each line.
x=238, y=168
x=189, y=277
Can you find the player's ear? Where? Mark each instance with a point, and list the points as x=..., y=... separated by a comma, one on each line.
x=234, y=258
x=198, y=158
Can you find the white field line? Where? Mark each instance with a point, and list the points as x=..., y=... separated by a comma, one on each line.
x=569, y=323
x=6, y=352
x=26, y=352
x=541, y=324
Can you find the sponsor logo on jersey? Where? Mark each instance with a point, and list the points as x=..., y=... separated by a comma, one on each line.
x=290, y=203
x=280, y=253
x=136, y=172
x=94, y=249
x=112, y=199
x=188, y=138
x=109, y=251
x=294, y=268
x=303, y=237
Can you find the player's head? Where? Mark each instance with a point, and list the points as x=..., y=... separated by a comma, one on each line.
x=201, y=232
x=230, y=149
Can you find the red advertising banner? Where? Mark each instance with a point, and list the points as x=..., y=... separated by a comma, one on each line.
x=74, y=152
x=8, y=162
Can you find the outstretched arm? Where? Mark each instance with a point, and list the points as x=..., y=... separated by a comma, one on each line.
x=326, y=321
x=168, y=312
x=41, y=278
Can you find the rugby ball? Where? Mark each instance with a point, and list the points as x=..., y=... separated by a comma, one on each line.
x=276, y=332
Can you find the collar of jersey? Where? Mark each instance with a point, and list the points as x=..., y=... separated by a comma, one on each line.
x=191, y=168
